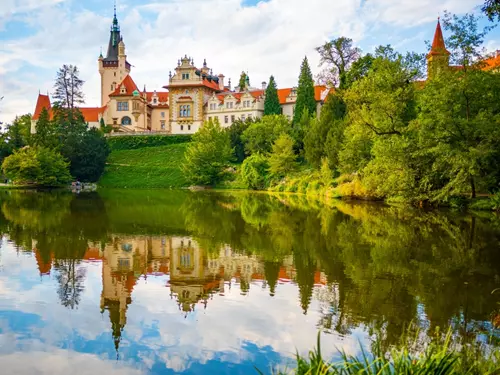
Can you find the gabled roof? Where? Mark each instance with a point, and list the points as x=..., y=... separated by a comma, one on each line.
x=42, y=102
x=91, y=114
x=492, y=62
x=162, y=96
x=129, y=84
x=438, y=46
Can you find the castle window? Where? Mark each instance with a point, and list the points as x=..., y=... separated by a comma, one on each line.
x=242, y=117
x=122, y=106
x=185, y=110
x=115, y=74
x=189, y=127
x=126, y=120
x=229, y=105
x=162, y=125
x=226, y=119
x=162, y=114
x=182, y=127
x=155, y=101
x=232, y=119
x=185, y=75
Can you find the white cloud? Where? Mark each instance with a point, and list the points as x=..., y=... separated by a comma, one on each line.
x=270, y=38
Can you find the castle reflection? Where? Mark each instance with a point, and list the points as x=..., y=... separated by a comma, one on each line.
x=193, y=275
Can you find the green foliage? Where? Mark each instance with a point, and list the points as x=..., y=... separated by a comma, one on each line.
x=36, y=165
x=282, y=158
x=87, y=154
x=492, y=9
x=46, y=132
x=132, y=142
x=326, y=173
x=235, y=135
x=254, y=172
x=324, y=137
x=260, y=136
x=149, y=167
x=358, y=70
x=338, y=55
x=305, y=93
x=272, y=104
x=208, y=155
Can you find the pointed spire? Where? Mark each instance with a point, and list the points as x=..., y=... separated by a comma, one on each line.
x=438, y=45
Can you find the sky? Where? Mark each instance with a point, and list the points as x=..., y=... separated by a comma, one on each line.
x=262, y=37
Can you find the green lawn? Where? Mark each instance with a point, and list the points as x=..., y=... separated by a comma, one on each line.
x=149, y=167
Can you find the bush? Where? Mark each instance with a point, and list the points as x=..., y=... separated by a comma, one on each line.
x=208, y=155
x=132, y=142
x=282, y=158
x=254, y=172
x=36, y=165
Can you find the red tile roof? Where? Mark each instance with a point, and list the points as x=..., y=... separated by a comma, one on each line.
x=91, y=114
x=42, y=102
x=162, y=96
x=438, y=46
x=492, y=63
x=129, y=84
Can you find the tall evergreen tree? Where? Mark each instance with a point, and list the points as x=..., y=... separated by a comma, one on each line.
x=68, y=87
x=272, y=102
x=305, y=92
x=244, y=81
x=46, y=135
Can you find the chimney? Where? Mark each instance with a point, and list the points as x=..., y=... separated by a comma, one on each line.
x=264, y=86
x=221, y=82
x=229, y=84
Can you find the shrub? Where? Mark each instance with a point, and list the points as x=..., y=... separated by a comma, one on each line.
x=254, y=172
x=36, y=165
x=282, y=158
x=208, y=155
x=132, y=142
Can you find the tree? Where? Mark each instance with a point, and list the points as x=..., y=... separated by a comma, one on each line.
x=282, y=158
x=358, y=70
x=272, y=104
x=254, y=172
x=244, y=81
x=36, y=165
x=465, y=40
x=305, y=92
x=208, y=155
x=46, y=132
x=87, y=154
x=68, y=87
x=259, y=137
x=338, y=55
x=235, y=132
x=492, y=9
x=329, y=122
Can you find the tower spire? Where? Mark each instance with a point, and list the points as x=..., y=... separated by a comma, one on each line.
x=438, y=45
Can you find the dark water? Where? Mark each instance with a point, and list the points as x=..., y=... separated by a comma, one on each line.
x=161, y=282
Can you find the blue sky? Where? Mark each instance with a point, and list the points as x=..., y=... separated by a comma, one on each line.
x=263, y=37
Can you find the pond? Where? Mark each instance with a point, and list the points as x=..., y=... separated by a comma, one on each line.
x=167, y=282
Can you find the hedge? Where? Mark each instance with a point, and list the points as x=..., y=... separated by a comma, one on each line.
x=132, y=142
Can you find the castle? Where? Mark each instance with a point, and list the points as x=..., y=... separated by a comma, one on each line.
x=194, y=95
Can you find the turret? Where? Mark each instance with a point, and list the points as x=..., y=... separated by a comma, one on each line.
x=438, y=57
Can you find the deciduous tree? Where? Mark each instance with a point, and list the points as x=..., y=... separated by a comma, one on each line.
x=208, y=155
x=337, y=56
x=68, y=87
x=282, y=158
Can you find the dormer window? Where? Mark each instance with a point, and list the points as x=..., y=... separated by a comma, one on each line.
x=185, y=75
x=294, y=91
x=123, y=89
x=229, y=105
x=155, y=101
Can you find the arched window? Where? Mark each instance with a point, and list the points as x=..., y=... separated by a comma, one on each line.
x=126, y=120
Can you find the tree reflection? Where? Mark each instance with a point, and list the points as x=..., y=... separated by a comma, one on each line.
x=363, y=265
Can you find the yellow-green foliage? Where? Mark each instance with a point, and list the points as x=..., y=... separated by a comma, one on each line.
x=351, y=186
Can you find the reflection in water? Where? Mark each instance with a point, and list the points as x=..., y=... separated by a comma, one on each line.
x=260, y=272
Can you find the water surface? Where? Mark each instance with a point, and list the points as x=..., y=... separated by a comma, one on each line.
x=164, y=282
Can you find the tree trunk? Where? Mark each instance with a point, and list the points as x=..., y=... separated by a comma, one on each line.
x=472, y=187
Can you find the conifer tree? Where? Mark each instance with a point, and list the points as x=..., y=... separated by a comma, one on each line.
x=46, y=135
x=305, y=92
x=244, y=81
x=68, y=87
x=272, y=103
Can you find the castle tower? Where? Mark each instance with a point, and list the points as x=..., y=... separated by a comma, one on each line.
x=438, y=57
x=114, y=67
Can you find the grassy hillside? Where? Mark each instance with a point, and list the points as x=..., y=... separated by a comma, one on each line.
x=149, y=167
